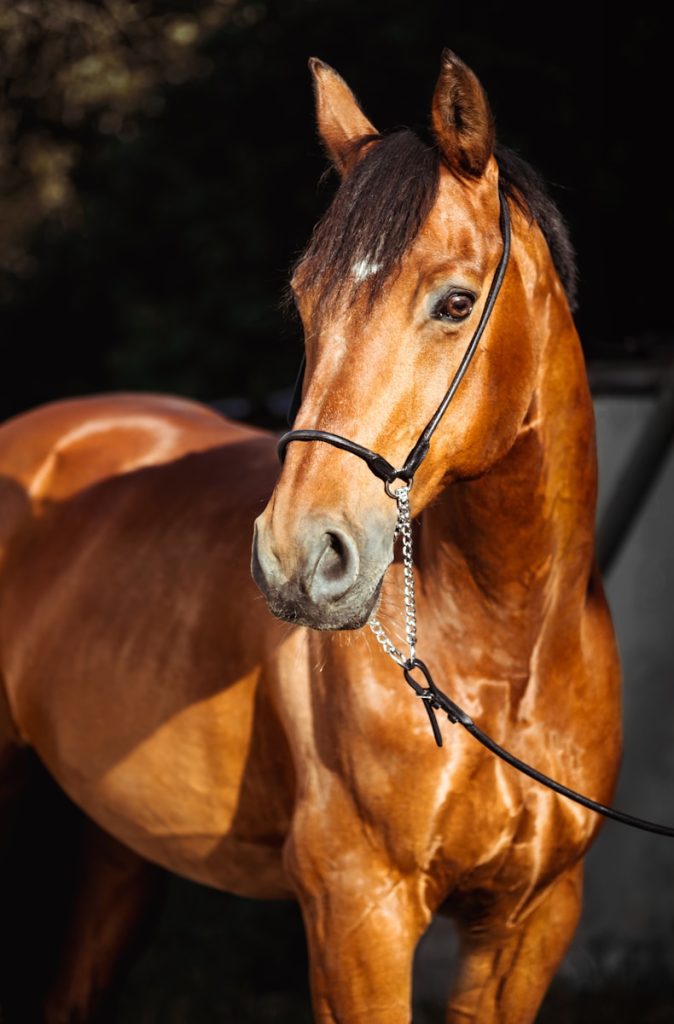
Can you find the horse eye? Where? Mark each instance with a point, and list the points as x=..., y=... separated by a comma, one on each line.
x=454, y=306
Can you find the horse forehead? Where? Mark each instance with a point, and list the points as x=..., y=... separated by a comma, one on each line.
x=450, y=241
x=463, y=223
x=459, y=230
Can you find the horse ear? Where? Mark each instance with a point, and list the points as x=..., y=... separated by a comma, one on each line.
x=341, y=122
x=462, y=121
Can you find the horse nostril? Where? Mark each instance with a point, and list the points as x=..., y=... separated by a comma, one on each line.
x=334, y=558
x=336, y=566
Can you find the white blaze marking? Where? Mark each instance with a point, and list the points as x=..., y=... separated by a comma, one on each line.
x=364, y=268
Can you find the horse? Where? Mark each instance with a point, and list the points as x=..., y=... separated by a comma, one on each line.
x=281, y=755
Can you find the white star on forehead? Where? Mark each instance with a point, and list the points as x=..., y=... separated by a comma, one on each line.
x=364, y=268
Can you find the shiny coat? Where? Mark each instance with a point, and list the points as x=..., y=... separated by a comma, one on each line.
x=271, y=759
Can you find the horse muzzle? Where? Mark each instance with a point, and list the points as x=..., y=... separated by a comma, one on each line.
x=327, y=577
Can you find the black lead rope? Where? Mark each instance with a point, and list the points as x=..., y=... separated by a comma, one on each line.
x=435, y=700
x=432, y=697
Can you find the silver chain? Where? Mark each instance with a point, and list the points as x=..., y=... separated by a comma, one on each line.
x=403, y=529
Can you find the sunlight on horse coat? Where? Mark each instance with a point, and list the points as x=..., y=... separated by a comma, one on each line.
x=272, y=759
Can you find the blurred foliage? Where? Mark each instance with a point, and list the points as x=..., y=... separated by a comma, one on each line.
x=71, y=69
x=160, y=171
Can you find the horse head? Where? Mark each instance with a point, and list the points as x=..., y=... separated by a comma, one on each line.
x=390, y=290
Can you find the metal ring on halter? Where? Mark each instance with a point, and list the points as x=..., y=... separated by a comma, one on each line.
x=404, y=483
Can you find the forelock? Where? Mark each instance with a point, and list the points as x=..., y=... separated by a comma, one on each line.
x=377, y=212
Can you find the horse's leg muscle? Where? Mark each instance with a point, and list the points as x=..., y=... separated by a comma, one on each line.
x=116, y=897
x=363, y=921
x=504, y=977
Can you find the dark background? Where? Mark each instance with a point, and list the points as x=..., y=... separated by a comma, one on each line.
x=187, y=202
x=159, y=172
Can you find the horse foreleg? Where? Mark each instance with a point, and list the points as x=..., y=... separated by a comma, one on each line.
x=363, y=921
x=116, y=898
x=504, y=975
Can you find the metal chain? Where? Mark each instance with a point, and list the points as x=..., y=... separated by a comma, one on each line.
x=404, y=530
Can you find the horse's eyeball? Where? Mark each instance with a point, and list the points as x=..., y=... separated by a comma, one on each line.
x=454, y=306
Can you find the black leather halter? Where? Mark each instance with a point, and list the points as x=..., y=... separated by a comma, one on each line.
x=432, y=696
x=380, y=466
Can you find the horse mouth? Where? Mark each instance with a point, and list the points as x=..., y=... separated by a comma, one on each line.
x=289, y=602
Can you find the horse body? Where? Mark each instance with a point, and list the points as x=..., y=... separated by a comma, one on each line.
x=512, y=617
x=515, y=628
x=273, y=759
x=190, y=690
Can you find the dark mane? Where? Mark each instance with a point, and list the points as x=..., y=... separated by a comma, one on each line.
x=381, y=206
x=525, y=187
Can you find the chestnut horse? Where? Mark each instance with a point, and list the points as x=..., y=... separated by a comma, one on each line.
x=198, y=732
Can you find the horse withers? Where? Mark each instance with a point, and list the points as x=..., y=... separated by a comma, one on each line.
x=288, y=758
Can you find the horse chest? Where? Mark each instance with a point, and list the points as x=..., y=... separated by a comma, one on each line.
x=456, y=815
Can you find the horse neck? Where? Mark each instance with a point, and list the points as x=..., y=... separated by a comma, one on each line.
x=501, y=556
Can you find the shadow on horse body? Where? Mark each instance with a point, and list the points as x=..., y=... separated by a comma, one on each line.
x=270, y=758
